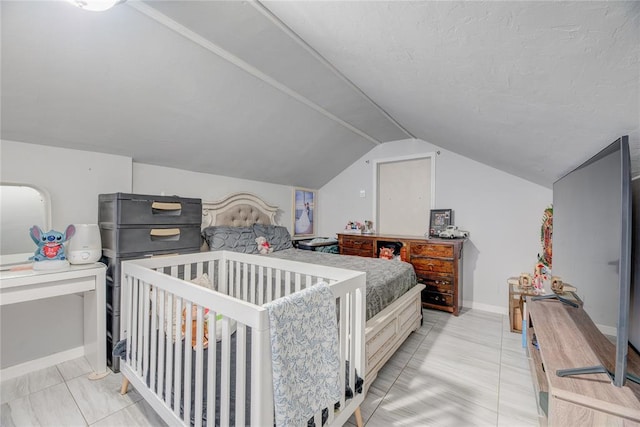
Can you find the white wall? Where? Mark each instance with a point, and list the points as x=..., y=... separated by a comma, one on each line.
x=73, y=179
x=149, y=179
x=503, y=213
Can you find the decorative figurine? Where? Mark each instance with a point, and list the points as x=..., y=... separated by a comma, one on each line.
x=540, y=276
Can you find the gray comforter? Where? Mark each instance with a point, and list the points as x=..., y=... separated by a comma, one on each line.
x=387, y=280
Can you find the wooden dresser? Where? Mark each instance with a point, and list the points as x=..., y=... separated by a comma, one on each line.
x=437, y=262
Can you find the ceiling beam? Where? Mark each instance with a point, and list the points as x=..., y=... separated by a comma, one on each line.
x=288, y=31
x=244, y=66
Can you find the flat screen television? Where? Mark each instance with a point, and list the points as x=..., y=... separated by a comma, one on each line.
x=592, y=244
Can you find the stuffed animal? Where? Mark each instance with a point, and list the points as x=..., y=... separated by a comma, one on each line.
x=386, y=253
x=194, y=326
x=50, y=244
x=263, y=246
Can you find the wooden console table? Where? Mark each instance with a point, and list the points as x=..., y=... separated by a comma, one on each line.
x=89, y=279
x=516, y=296
x=567, y=338
x=437, y=263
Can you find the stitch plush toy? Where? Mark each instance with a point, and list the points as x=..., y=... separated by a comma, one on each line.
x=263, y=246
x=50, y=244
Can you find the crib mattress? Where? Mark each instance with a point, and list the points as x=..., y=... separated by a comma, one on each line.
x=387, y=280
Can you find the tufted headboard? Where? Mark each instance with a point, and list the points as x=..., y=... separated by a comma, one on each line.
x=238, y=210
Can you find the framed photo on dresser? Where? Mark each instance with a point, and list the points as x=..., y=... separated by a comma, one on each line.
x=439, y=220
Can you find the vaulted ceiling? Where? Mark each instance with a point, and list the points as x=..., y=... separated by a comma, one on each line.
x=293, y=92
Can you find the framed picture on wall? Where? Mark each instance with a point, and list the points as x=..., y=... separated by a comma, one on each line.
x=439, y=220
x=304, y=212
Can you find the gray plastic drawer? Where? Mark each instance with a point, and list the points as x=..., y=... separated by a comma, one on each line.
x=146, y=239
x=132, y=209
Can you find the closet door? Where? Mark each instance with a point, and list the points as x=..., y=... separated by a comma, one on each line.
x=404, y=195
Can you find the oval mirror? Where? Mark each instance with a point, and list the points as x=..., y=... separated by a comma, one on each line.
x=21, y=207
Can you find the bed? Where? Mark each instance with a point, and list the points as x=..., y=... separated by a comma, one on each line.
x=206, y=314
x=230, y=365
x=394, y=307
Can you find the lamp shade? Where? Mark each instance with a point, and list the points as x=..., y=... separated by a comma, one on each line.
x=85, y=247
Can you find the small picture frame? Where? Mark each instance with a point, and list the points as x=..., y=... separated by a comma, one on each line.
x=305, y=204
x=557, y=286
x=525, y=281
x=439, y=220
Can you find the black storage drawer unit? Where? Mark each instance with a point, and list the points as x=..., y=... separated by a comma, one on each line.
x=146, y=239
x=134, y=209
x=137, y=226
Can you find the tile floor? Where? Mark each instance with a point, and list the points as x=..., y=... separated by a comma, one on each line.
x=454, y=371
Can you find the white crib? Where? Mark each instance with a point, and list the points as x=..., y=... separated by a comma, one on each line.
x=157, y=290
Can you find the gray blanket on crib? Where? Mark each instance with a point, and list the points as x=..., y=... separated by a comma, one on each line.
x=387, y=280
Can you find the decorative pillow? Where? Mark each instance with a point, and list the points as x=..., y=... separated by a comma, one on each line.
x=236, y=239
x=203, y=280
x=277, y=235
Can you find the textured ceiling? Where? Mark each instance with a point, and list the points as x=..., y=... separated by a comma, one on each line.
x=293, y=92
x=532, y=88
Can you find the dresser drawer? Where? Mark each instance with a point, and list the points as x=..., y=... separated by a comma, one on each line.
x=437, y=298
x=427, y=265
x=356, y=243
x=442, y=284
x=357, y=252
x=129, y=209
x=147, y=240
x=433, y=250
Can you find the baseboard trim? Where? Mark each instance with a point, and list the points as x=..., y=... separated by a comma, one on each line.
x=485, y=307
x=41, y=363
x=608, y=330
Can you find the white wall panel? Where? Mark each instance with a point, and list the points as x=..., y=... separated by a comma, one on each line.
x=149, y=179
x=73, y=179
x=502, y=212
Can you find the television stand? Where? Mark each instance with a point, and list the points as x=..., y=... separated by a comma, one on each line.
x=557, y=297
x=567, y=338
x=598, y=369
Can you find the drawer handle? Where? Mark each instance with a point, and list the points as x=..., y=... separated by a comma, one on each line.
x=165, y=232
x=166, y=206
x=161, y=255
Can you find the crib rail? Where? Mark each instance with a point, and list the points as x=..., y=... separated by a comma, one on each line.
x=159, y=303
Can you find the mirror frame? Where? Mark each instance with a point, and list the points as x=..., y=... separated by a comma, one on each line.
x=20, y=258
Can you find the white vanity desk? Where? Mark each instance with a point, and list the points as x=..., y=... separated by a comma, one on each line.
x=89, y=279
